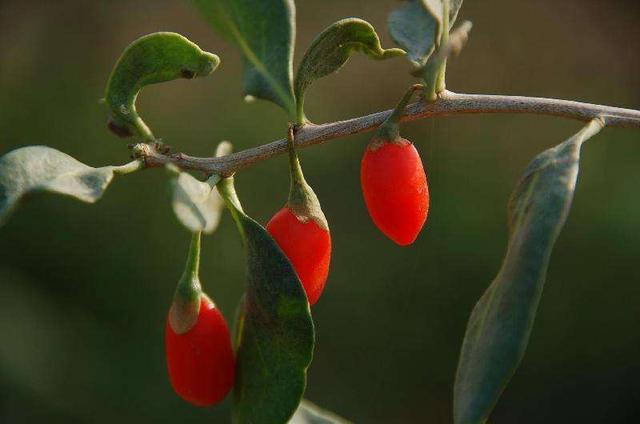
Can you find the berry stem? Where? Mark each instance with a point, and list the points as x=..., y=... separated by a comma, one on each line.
x=193, y=259
x=389, y=130
x=298, y=185
x=227, y=190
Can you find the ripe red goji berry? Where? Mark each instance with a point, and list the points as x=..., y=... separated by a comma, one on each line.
x=308, y=247
x=198, y=349
x=393, y=180
x=301, y=230
x=201, y=362
x=395, y=189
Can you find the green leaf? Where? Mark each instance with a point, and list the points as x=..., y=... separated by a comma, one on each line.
x=436, y=7
x=416, y=26
x=264, y=30
x=196, y=204
x=331, y=50
x=500, y=324
x=308, y=413
x=152, y=59
x=414, y=29
x=276, y=335
x=40, y=168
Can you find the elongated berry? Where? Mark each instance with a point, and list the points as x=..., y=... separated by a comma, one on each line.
x=201, y=362
x=395, y=189
x=393, y=180
x=302, y=232
x=200, y=357
x=308, y=247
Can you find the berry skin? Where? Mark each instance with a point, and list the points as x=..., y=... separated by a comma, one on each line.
x=307, y=245
x=395, y=189
x=201, y=362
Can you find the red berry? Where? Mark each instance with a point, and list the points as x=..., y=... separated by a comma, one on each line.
x=307, y=245
x=395, y=189
x=201, y=362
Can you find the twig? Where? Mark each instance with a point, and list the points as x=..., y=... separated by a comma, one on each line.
x=448, y=103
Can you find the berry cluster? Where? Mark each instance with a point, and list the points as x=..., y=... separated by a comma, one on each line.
x=200, y=357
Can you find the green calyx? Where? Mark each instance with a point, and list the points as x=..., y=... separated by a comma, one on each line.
x=389, y=131
x=185, y=309
x=302, y=201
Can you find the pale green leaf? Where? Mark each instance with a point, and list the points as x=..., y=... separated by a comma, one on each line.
x=416, y=26
x=39, y=168
x=264, y=30
x=309, y=413
x=414, y=29
x=332, y=49
x=436, y=7
x=196, y=204
x=500, y=324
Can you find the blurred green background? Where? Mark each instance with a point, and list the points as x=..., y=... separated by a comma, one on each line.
x=84, y=290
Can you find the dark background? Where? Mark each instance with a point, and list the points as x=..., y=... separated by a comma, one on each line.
x=84, y=290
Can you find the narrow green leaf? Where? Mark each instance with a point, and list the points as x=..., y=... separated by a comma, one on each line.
x=196, y=204
x=308, y=413
x=331, y=50
x=416, y=26
x=40, y=168
x=275, y=344
x=500, y=324
x=264, y=30
x=154, y=58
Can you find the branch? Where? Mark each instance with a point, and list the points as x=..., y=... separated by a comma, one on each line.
x=448, y=103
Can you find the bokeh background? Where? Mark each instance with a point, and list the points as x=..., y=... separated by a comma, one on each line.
x=84, y=289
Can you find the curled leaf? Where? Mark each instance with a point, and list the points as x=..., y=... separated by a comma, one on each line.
x=151, y=59
x=331, y=50
x=500, y=324
x=276, y=340
x=40, y=168
x=264, y=30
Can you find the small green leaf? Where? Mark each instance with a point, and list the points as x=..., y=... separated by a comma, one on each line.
x=308, y=413
x=197, y=205
x=500, y=324
x=414, y=29
x=275, y=344
x=331, y=50
x=154, y=58
x=265, y=32
x=436, y=7
x=416, y=26
x=39, y=168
